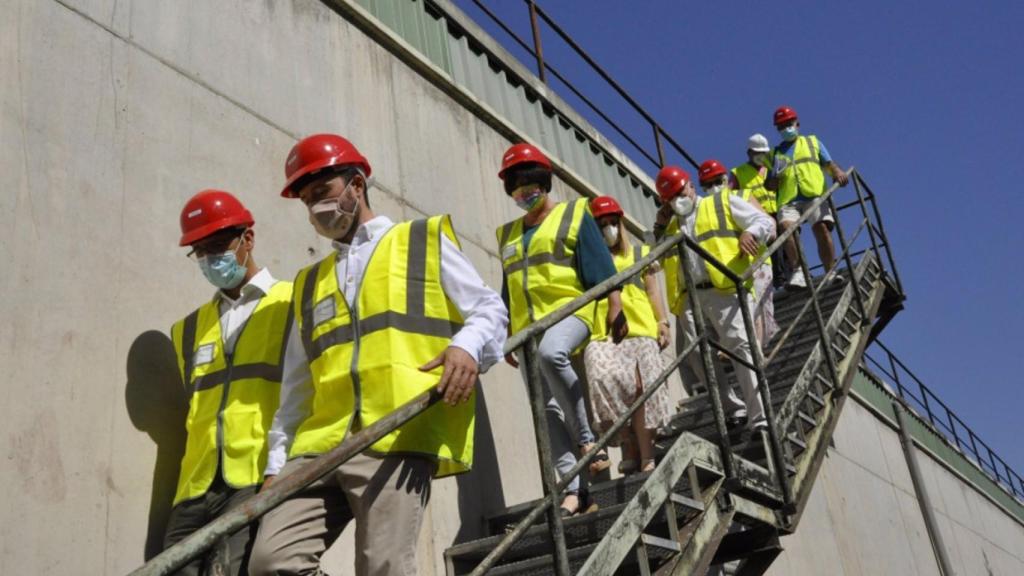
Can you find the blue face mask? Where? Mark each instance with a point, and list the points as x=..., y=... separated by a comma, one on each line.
x=789, y=133
x=223, y=270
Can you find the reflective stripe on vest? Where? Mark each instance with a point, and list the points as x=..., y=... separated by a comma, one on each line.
x=803, y=174
x=635, y=302
x=719, y=234
x=233, y=397
x=749, y=177
x=543, y=279
x=365, y=360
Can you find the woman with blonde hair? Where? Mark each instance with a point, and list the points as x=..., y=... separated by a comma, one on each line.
x=619, y=373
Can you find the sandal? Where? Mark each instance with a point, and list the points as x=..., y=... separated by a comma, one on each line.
x=566, y=513
x=648, y=465
x=600, y=463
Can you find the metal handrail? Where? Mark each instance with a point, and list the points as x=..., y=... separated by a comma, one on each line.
x=944, y=422
x=537, y=15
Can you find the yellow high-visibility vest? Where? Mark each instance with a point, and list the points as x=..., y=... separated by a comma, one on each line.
x=543, y=279
x=365, y=360
x=716, y=232
x=803, y=174
x=635, y=302
x=233, y=397
x=749, y=177
x=746, y=195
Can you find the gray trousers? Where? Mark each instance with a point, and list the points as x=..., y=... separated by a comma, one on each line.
x=227, y=557
x=555, y=349
x=723, y=315
x=386, y=496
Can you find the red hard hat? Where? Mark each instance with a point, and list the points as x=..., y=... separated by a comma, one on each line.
x=784, y=114
x=670, y=182
x=521, y=154
x=603, y=206
x=710, y=170
x=211, y=211
x=317, y=152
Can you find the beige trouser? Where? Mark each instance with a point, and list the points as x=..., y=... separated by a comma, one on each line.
x=385, y=496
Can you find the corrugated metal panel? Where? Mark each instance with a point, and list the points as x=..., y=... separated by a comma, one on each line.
x=469, y=66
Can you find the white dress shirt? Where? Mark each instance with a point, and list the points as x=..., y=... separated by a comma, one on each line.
x=748, y=217
x=482, y=334
x=234, y=313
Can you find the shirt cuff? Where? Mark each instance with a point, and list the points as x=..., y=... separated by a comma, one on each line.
x=276, y=458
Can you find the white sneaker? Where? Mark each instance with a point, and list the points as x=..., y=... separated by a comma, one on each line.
x=797, y=281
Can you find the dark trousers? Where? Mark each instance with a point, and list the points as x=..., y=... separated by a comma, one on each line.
x=228, y=557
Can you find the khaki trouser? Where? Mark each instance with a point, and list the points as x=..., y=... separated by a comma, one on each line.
x=386, y=497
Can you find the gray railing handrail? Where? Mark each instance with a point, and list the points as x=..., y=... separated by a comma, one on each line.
x=599, y=291
x=282, y=488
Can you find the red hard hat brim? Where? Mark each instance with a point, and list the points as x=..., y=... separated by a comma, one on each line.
x=198, y=234
x=312, y=167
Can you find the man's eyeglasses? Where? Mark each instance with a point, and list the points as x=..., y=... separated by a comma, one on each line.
x=217, y=244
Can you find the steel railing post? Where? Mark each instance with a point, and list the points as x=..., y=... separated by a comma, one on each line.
x=881, y=231
x=538, y=405
x=765, y=394
x=826, y=342
x=864, y=213
x=710, y=380
x=537, y=49
x=854, y=281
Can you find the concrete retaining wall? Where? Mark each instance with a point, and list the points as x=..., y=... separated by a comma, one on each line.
x=112, y=114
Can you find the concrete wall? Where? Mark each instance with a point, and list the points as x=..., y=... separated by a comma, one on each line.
x=112, y=114
x=863, y=517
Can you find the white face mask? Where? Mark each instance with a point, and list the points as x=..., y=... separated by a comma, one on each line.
x=611, y=235
x=712, y=190
x=682, y=205
x=330, y=219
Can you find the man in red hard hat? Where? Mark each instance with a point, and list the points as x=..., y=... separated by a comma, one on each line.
x=229, y=354
x=395, y=310
x=798, y=164
x=733, y=231
x=549, y=256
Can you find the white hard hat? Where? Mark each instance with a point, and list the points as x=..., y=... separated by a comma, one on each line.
x=758, y=143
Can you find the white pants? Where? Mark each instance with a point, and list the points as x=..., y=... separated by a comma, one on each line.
x=723, y=315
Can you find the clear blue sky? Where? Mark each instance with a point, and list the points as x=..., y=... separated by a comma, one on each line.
x=925, y=98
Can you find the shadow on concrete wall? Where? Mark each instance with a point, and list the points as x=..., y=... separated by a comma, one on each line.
x=480, y=491
x=157, y=405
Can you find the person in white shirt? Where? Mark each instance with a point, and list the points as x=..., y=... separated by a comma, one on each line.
x=735, y=231
x=229, y=356
x=396, y=309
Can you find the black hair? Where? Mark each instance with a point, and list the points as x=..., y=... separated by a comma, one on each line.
x=345, y=171
x=527, y=173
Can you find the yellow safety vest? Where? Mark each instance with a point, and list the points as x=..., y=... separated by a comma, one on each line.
x=716, y=232
x=749, y=178
x=746, y=195
x=635, y=302
x=544, y=279
x=803, y=174
x=233, y=398
x=365, y=360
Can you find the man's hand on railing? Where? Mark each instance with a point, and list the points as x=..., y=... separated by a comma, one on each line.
x=664, y=338
x=749, y=245
x=459, y=377
x=267, y=481
x=838, y=175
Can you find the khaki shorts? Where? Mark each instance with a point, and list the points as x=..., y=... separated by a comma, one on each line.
x=794, y=210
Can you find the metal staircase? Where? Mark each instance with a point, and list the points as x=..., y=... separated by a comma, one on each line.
x=715, y=500
x=685, y=516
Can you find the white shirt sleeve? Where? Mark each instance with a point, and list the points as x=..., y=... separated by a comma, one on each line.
x=296, y=401
x=751, y=219
x=485, y=318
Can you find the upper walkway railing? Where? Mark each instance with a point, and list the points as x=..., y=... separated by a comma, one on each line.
x=943, y=420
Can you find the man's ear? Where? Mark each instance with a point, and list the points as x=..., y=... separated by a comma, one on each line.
x=249, y=238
